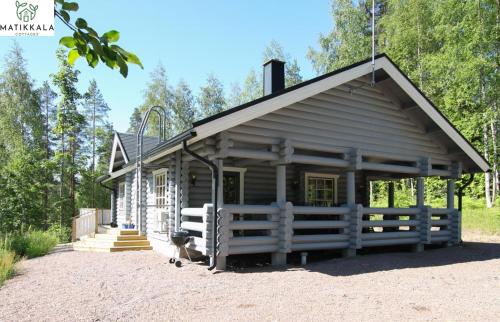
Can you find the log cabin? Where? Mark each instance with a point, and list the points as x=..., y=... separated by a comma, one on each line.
x=290, y=171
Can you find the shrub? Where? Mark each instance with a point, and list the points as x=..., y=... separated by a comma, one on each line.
x=33, y=243
x=6, y=264
x=40, y=243
x=62, y=233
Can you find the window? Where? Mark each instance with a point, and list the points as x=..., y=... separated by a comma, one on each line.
x=321, y=189
x=121, y=195
x=160, y=186
x=160, y=197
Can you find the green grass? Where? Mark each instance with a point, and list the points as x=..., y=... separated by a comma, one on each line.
x=476, y=217
x=7, y=261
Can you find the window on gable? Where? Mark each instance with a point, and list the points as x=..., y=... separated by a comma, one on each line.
x=321, y=189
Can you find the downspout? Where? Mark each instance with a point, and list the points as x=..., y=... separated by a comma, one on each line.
x=462, y=188
x=215, y=177
x=112, y=189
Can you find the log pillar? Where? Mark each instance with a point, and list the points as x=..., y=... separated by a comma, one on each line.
x=351, y=188
x=450, y=196
x=354, y=214
x=422, y=216
x=390, y=194
x=390, y=204
x=420, y=192
x=279, y=258
x=222, y=233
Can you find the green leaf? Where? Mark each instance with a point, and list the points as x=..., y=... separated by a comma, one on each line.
x=111, y=36
x=68, y=42
x=96, y=45
x=65, y=15
x=92, y=58
x=123, y=66
x=70, y=6
x=72, y=56
x=92, y=32
x=81, y=23
x=133, y=59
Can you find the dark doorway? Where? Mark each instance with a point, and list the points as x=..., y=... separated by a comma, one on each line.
x=231, y=186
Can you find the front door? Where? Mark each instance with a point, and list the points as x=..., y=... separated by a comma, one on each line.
x=231, y=187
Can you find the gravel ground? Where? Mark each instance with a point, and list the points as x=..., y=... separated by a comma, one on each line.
x=454, y=284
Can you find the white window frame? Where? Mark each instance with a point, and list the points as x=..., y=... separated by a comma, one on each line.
x=161, y=227
x=335, y=178
x=158, y=172
x=242, y=172
x=120, y=205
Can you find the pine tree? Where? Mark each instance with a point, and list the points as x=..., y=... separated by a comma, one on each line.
x=69, y=127
x=211, y=98
x=96, y=113
x=49, y=111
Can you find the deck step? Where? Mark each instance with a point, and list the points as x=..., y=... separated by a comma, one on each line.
x=119, y=237
x=114, y=240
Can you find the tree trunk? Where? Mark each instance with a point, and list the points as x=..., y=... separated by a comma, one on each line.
x=494, y=143
x=487, y=178
x=61, y=185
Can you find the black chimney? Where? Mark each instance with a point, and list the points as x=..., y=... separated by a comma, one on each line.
x=274, y=76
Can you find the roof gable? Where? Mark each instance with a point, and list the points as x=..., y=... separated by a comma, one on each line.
x=271, y=103
x=124, y=149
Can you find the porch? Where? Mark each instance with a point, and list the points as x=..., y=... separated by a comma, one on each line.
x=299, y=218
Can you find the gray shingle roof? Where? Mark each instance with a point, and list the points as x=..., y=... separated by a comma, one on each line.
x=129, y=142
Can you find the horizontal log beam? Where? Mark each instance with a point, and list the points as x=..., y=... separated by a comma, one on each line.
x=319, y=224
x=389, y=223
x=306, y=210
x=318, y=246
x=389, y=168
x=322, y=161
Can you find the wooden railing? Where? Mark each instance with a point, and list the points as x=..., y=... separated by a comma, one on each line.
x=87, y=222
x=250, y=229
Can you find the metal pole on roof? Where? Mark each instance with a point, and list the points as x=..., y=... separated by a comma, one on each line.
x=162, y=116
x=373, y=43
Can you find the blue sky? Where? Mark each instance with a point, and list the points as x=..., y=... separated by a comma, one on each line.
x=191, y=38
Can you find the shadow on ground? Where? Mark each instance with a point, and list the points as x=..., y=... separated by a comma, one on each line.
x=374, y=260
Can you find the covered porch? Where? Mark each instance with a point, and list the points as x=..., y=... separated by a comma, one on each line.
x=280, y=196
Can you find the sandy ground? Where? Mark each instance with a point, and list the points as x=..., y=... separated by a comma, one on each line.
x=453, y=284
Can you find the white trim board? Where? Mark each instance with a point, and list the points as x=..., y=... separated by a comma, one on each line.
x=117, y=143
